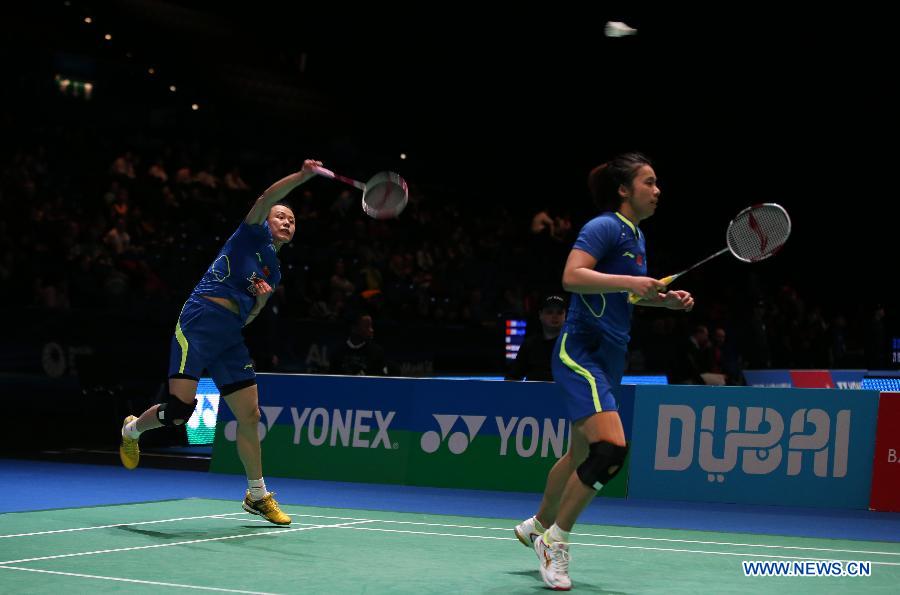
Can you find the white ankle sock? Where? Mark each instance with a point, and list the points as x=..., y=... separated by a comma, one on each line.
x=554, y=533
x=131, y=430
x=257, y=488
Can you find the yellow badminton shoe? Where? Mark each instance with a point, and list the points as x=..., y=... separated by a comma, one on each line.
x=267, y=508
x=129, y=451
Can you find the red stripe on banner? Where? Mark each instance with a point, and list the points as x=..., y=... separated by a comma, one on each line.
x=811, y=379
x=886, y=468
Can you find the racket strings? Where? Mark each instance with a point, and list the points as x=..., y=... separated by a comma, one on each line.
x=759, y=233
x=385, y=196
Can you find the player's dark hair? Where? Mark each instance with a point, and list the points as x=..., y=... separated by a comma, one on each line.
x=605, y=179
x=284, y=203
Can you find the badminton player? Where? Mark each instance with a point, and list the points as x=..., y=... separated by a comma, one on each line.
x=607, y=262
x=208, y=337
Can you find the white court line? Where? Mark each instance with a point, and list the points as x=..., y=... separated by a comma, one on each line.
x=184, y=518
x=159, y=545
x=783, y=547
x=599, y=535
x=662, y=539
x=132, y=580
x=744, y=554
x=356, y=520
x=627, y=547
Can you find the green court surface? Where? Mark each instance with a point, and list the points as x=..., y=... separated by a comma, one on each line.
x=211, y=545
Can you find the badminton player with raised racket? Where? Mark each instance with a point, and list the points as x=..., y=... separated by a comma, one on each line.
x=208, y=337
x=607, y=263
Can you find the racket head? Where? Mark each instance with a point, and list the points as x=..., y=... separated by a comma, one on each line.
x=385, y=196
x=758, y=232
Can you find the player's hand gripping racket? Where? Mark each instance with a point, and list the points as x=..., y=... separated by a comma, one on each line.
x=384, y=195
x=755, y=234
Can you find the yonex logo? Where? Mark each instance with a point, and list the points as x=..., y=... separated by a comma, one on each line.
x=347, y=428
x=269, y=415
x=205, y=413
x=458, y=441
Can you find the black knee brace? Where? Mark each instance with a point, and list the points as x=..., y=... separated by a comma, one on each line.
x=174, y=412
x=603, y=463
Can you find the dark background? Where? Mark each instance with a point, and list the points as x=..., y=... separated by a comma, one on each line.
x=500, y=115
x=734, y=108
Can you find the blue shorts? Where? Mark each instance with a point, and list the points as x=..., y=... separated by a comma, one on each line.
x=586, y=367
x=208, y=337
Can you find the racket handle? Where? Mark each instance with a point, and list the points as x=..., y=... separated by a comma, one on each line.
x=323, y=172
x=634, y=298
x=330, y=174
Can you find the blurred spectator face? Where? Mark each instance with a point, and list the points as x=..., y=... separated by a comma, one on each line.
x=363, y=328
x=701, y=335
x=719, y=336
x=282, y=224
x=552, y=318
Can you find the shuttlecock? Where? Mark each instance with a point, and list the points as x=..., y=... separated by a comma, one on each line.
x=618, y=29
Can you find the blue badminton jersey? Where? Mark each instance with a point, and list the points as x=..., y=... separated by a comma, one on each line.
x=248, y=256
x=618, y=245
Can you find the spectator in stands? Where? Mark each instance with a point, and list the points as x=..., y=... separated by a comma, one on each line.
x=118, y=239
x=694, y=359
x=536, y=353
x=359, y=355
x=157, y=171
x=123, y=166
x=234, y=181
x=339, y=281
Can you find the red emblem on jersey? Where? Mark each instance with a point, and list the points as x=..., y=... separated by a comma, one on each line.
x=266, y=271
x=639, y=260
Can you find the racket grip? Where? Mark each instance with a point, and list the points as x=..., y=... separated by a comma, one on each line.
x=634, y=298
x=668, y=280
x=324, y=172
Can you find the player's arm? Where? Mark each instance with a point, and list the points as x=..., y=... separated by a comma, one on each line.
x=579, y=276
x=279, y=190
x=673, y=300
x=264, y=292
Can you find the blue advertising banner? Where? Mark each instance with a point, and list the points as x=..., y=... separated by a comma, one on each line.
x=845, y=379
x=450, y=433
x=768, y=378
x=841, y=379
x=788, y=447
